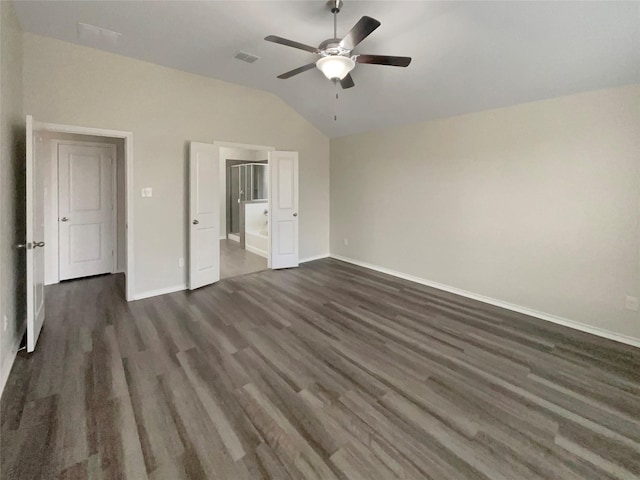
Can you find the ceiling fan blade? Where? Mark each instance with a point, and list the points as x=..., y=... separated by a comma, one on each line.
x=298, y=70
x=347, y=82
x=359, y=32
x=384, y=60
x=291, y=43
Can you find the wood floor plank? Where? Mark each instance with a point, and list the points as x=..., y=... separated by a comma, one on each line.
x=328, y=372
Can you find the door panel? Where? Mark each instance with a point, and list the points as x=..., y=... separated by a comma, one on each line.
x=85, y=243
x=204, y=215
x=85, y=210
x=283, y=173
x=35, y=237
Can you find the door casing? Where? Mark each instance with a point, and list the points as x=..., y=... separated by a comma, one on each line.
x=129, y=194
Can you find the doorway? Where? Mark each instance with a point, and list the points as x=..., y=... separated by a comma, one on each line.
x=244, y=206
x=261, y=230
x=85, y=222
x=83, y=160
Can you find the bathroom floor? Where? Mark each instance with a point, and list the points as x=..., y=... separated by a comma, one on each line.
x=235, y=261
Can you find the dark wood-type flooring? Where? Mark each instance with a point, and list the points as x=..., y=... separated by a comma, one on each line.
x=236, y=261
x=328, y=371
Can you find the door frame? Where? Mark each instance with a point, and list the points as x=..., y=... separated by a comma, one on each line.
x=55, y=187
x=246, y=146
x=128, y=180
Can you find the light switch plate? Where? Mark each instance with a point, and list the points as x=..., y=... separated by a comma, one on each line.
x=631, y=303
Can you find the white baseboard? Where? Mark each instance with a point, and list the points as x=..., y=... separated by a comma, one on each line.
x=635, y=342
x=233, y=237
x=6, y=370
x=223, y=237
x=255, y=250
x=160, y=291
x=315, y=257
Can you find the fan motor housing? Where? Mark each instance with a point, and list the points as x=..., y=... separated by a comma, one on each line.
x=331, y=46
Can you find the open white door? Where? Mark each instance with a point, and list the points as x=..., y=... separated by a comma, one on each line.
x=283, y=210
x=35, y=243
x=204, y=214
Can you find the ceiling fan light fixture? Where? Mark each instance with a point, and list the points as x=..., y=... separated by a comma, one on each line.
x=335, y=66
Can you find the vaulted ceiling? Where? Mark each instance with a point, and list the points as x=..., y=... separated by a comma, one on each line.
x=467, y=56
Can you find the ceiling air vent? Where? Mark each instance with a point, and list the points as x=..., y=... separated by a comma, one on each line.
x=245, y=57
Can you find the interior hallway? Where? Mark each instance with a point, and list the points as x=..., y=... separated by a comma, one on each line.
x=326, y=371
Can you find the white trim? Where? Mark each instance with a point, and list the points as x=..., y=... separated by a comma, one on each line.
x=315, y=257
x=128, y=200
x=159, y=291
x=233, y=237
x=255, y=250
x=223, y=237
x=96, y=132
x=635, y=342
x=242, y=146
x=53, y=239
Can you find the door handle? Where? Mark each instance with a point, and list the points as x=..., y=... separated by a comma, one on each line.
x=38, y=244
x=64, y=219
x=196, y=222
x=295, y=214
x=22, y=245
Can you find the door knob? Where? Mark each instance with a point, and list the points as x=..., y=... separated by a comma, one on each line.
x=38, y=244
x=295, y=214
x=196, y=222
x=64, y=219
x=21, y=245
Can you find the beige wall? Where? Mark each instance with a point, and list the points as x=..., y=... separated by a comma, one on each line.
x=166, y=108
x=11, y=189
x=537, y=205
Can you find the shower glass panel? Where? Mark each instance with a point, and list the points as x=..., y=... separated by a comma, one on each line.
x=248, y=182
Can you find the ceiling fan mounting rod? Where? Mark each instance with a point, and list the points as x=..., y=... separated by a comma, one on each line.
x=336, y=5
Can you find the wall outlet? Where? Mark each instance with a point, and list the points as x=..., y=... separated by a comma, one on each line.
x=181, y=262
x=346, y=242
x=147, y=192
x=631, y=303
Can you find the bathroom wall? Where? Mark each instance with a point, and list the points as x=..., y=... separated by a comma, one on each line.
x=255, y=223
x=254, y=217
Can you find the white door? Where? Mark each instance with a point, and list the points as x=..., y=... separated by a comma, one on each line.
x=85, y=210
x=283, y=211
x=35, y=235
x=204, y=214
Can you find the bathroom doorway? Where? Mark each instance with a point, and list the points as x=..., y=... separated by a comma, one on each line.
x=244, y=248
x=213, y=252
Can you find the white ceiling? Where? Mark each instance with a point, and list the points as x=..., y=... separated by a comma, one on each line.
x=467, y=56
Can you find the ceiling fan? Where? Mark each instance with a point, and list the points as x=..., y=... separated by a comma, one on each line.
x=337, y=58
